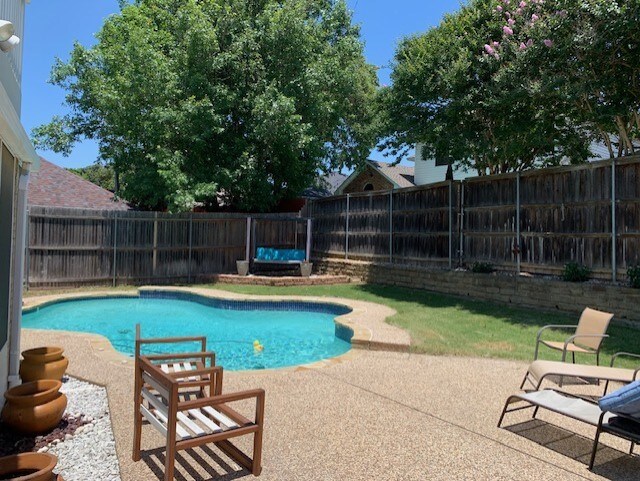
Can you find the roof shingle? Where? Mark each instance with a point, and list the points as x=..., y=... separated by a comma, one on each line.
x=54, y=186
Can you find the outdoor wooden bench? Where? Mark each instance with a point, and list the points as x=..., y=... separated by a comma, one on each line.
x=581, y=409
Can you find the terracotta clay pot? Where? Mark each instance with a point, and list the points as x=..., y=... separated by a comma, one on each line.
x=34, y=407
x=29, y=467
x=43, y=363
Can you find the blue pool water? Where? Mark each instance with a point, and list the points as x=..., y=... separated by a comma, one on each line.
x=292, y=333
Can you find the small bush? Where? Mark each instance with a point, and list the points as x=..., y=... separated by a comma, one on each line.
x=574, y=272
x=634, y=276
x=482, y=268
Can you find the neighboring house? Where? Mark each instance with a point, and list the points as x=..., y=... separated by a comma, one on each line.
x=377, y=176
x=54, y=186
x=430, y=171
x=17, y=159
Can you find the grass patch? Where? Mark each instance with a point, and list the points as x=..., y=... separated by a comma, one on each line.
x=446, y=325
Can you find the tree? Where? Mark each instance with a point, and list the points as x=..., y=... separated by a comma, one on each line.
x=208, y=101
x=505, y=85
x=102, y=175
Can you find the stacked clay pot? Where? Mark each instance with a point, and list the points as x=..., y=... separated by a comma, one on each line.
x=43, y=363
x=29, y=467
x=34, y=407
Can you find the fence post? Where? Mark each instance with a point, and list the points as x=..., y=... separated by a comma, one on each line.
x=391, y=226
x=190, y=246
x=346, y=232
x=614, y=254
x=518, y=243
x=308, y=249
x=247, y=248
x=450, y=224
x=155, y=243
x=461, y=225
x=115, y=245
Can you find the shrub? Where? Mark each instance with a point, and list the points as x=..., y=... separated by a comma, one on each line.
x=574, y=272
x=634, y=276
x=482, y=268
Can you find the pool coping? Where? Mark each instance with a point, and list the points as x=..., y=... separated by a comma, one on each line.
x=366, y=320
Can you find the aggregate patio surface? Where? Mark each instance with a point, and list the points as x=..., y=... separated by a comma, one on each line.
x=369, y=415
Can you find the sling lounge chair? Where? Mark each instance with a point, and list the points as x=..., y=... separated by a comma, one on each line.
x=187, y=420
x=587, y=339
x=581, y=409
x=539, y=370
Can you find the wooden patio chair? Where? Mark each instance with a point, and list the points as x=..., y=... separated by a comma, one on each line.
x=185, y=421
x=178, y=362
x=587, y=338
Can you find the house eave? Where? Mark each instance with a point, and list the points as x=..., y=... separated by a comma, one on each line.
x=14, y=136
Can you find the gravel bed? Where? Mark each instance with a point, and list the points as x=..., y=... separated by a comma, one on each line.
x=83, y=441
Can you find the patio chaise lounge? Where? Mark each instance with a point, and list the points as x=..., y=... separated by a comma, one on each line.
x=587, y=338
x=539, y=370
x=171, y=394
x=617, y=414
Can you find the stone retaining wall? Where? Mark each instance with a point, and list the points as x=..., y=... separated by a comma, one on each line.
x=546, y=294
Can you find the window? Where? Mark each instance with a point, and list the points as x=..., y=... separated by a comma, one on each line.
x=368, y=187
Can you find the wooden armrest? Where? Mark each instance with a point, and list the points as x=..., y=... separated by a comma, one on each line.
x=171, y=340
x=258, y=394
x=185, y=355
x=195, y=373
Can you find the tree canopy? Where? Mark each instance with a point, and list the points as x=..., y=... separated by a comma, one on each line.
x=505, y=85
x=240, y=102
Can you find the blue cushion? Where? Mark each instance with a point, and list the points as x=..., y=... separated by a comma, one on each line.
x=271, y=254
x=623, y=401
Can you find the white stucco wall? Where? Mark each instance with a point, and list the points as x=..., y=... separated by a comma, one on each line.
x=427, y=172
x=11, y=62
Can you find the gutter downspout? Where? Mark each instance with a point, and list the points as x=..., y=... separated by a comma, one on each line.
x=18, y=273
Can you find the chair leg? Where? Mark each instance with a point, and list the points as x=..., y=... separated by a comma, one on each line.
x=594, y=450
x=137, y=416
x=631, y=447
x=256, y=464
x=573, y=357
x=170, y=463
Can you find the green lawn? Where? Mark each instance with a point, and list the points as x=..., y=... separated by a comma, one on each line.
x=447, y=325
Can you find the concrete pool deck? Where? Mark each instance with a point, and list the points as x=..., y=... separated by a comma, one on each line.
x=374, y=415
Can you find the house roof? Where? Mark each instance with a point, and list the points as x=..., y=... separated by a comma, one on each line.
x=326, y=185
x=399, y=175
x=54, y=186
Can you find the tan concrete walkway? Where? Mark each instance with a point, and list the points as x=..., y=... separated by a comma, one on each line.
x=375, y=415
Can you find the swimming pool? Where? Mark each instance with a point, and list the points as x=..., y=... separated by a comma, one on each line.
x=292, y=333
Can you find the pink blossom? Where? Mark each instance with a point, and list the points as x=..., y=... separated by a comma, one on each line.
x=519, y=11
x=548, y=43
x=523, y=46
x=523, y=4
x=511, y=22
x=507, y=30
x=499, y=8
x=534, y=17
x=529, y=42
x=496, y=44
x=489, y=49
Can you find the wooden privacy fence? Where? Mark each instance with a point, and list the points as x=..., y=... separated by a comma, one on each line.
x=534, y=221
x=69, y=246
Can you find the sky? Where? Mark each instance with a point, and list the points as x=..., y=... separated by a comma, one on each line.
x=52, y=26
